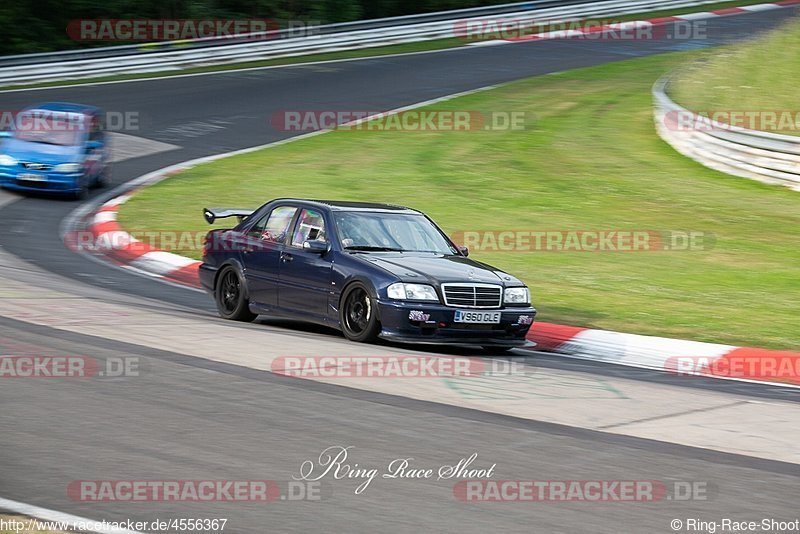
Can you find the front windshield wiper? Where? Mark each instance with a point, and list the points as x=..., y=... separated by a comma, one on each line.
x=366, y=248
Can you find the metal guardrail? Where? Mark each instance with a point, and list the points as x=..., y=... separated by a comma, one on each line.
x=764, y=156
x=35, y=68
x=134, y=49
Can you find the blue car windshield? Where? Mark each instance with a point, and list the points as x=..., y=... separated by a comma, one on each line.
x=402, y=232
x=49, y=129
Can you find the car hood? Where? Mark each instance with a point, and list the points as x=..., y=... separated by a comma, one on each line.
x=437, y=268
x=40, y=152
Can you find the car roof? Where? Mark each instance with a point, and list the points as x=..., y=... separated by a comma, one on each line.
x=66, y=107
x=345, y=205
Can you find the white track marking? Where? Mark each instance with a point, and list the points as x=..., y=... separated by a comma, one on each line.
x=124, y=146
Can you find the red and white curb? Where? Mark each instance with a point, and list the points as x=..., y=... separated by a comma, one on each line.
x=636, y=26
x=675, y=356
x=107, y=238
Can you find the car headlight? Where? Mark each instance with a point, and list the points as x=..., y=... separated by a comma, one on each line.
x=68, y=167
x=7, y=161
x=517, y=295
x=403, y=291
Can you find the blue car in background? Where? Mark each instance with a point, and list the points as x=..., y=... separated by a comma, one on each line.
x=56, y=147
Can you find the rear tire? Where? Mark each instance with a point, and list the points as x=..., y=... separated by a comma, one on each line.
x=230, y=294
x=358, y=314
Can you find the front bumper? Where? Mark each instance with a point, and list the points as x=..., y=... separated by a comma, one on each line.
x=51, y=182
x=436, y=325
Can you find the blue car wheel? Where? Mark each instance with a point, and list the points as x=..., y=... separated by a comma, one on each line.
x=83, y=188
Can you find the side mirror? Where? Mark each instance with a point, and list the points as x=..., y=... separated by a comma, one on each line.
x=464, y=251
x=93, y=145
x=316, y=246
x=5, y=134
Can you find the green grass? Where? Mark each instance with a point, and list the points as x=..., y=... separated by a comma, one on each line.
x=589, y=160
x=764, y=75
x=405, y=48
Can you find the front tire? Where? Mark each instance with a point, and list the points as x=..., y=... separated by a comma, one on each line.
x=358, y=314
x=83, y=190
x=230, y=295
x=102, y=179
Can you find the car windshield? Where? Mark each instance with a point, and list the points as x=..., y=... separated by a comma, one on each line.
x=401, y=232
x=51, y=129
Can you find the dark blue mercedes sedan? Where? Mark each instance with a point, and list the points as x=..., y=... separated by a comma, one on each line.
x=369, y=270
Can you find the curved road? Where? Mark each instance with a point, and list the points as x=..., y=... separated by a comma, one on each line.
x=217, y=113
x=194, y=415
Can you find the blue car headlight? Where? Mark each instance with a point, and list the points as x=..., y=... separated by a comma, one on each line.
x=401, y=291
x=68, y=167
x=7, y=161
x=517, y=295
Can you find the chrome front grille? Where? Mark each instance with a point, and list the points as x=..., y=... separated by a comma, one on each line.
x=472, y=295
x=36, y=166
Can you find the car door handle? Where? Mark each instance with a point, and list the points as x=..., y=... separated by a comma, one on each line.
x=286, y=257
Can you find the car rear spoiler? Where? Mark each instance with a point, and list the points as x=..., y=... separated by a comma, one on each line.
x=212, y=214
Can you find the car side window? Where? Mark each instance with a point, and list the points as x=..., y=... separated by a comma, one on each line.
x=258, y=228
x=310, y=227
x=273, y=227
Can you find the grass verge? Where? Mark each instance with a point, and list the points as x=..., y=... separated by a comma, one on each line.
x=423, y=46
x=590, y=160
x=760, y=76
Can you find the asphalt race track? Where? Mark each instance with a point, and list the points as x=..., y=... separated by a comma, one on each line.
x=193, y=417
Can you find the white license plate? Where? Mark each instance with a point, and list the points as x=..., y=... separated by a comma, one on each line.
x=32, y=177
x=477, y=317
